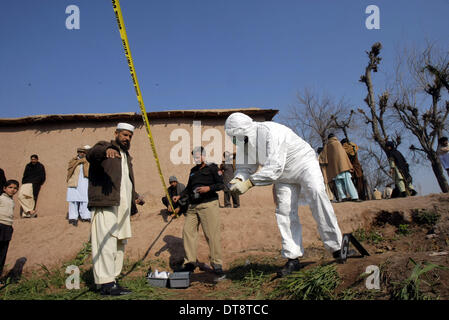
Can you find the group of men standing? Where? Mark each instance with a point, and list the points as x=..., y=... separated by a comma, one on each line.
x=343, y=173
x=34, y=177
x=226, y=169
x=272, y=155
x=290, y=164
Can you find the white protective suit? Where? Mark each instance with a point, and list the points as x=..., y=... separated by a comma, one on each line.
x=290, y=163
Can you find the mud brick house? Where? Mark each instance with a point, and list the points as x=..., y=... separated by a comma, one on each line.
x=55, y=139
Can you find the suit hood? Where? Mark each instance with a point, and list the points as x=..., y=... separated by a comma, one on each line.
x=240, y=125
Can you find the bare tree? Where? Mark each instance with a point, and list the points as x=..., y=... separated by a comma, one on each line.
x=311, y=117
x=376, y=168
x=426, y=76
x=343, y=124
x=376, y=115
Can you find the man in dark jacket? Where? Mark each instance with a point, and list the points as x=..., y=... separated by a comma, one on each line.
x=227, y=168
x=399, y=170
x=32, y=180
x=175, y=189
x=2, y=178
x=204, y=182
x=112, y=199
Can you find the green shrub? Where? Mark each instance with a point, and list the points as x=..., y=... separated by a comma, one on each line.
x=425, y=217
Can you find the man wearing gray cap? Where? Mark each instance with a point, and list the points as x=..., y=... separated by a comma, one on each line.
x=175, y=189
x=113, y=200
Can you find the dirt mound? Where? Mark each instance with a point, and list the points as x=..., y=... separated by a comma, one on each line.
x=251, y=228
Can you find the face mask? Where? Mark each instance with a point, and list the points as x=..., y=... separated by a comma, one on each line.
x=234, y=139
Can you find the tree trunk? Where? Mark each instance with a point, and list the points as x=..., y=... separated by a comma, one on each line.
x=439, y=173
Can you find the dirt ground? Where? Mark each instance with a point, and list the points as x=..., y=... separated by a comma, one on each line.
x=251, y=230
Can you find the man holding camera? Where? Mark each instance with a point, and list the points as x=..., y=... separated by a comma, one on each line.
x=204, y=182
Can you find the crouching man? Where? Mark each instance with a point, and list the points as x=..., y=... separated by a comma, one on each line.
x=112, y=200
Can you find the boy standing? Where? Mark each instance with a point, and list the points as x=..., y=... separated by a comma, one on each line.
x=6, y=217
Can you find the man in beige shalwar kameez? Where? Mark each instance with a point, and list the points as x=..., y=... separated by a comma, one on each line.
x=337, y=168
x=112, y=199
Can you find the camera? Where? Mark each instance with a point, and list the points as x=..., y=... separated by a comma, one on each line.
x=184, y=200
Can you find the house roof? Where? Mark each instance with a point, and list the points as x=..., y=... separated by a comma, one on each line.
x=267, y=114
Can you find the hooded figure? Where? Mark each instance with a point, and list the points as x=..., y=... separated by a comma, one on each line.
x=290, y=163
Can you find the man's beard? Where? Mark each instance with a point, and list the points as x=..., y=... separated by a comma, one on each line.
x=123, y=146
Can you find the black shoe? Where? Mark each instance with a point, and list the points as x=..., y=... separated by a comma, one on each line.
x=85, y=220
x=74, y=222
x=228, y=206
x=413, y=192
x=188, y=267
x=113, y=289
x=290, y=266
x=218, y=270
x=236, y=207
x=356, y=200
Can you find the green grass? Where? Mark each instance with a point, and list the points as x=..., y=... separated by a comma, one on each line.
x=410, y=288
x=247, y=279
x=49, y=284
x=317, y=283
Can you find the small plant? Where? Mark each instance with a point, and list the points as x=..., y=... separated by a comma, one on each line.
x=409, y=289
x=318, y=283
x=254, y=282
x=82, y=255
x=370, y=236
x=425, y=217
x=404, y=229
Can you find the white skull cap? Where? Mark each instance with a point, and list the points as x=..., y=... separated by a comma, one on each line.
x=125, y=126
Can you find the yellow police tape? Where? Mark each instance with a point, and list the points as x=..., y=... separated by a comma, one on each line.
x=121, y=27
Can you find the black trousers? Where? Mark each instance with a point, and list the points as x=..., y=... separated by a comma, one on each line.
x=3, y=251
x=5, y=236
x=227, y=199
x=167, y=204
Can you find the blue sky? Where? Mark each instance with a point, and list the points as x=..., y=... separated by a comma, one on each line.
x=199, y=54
